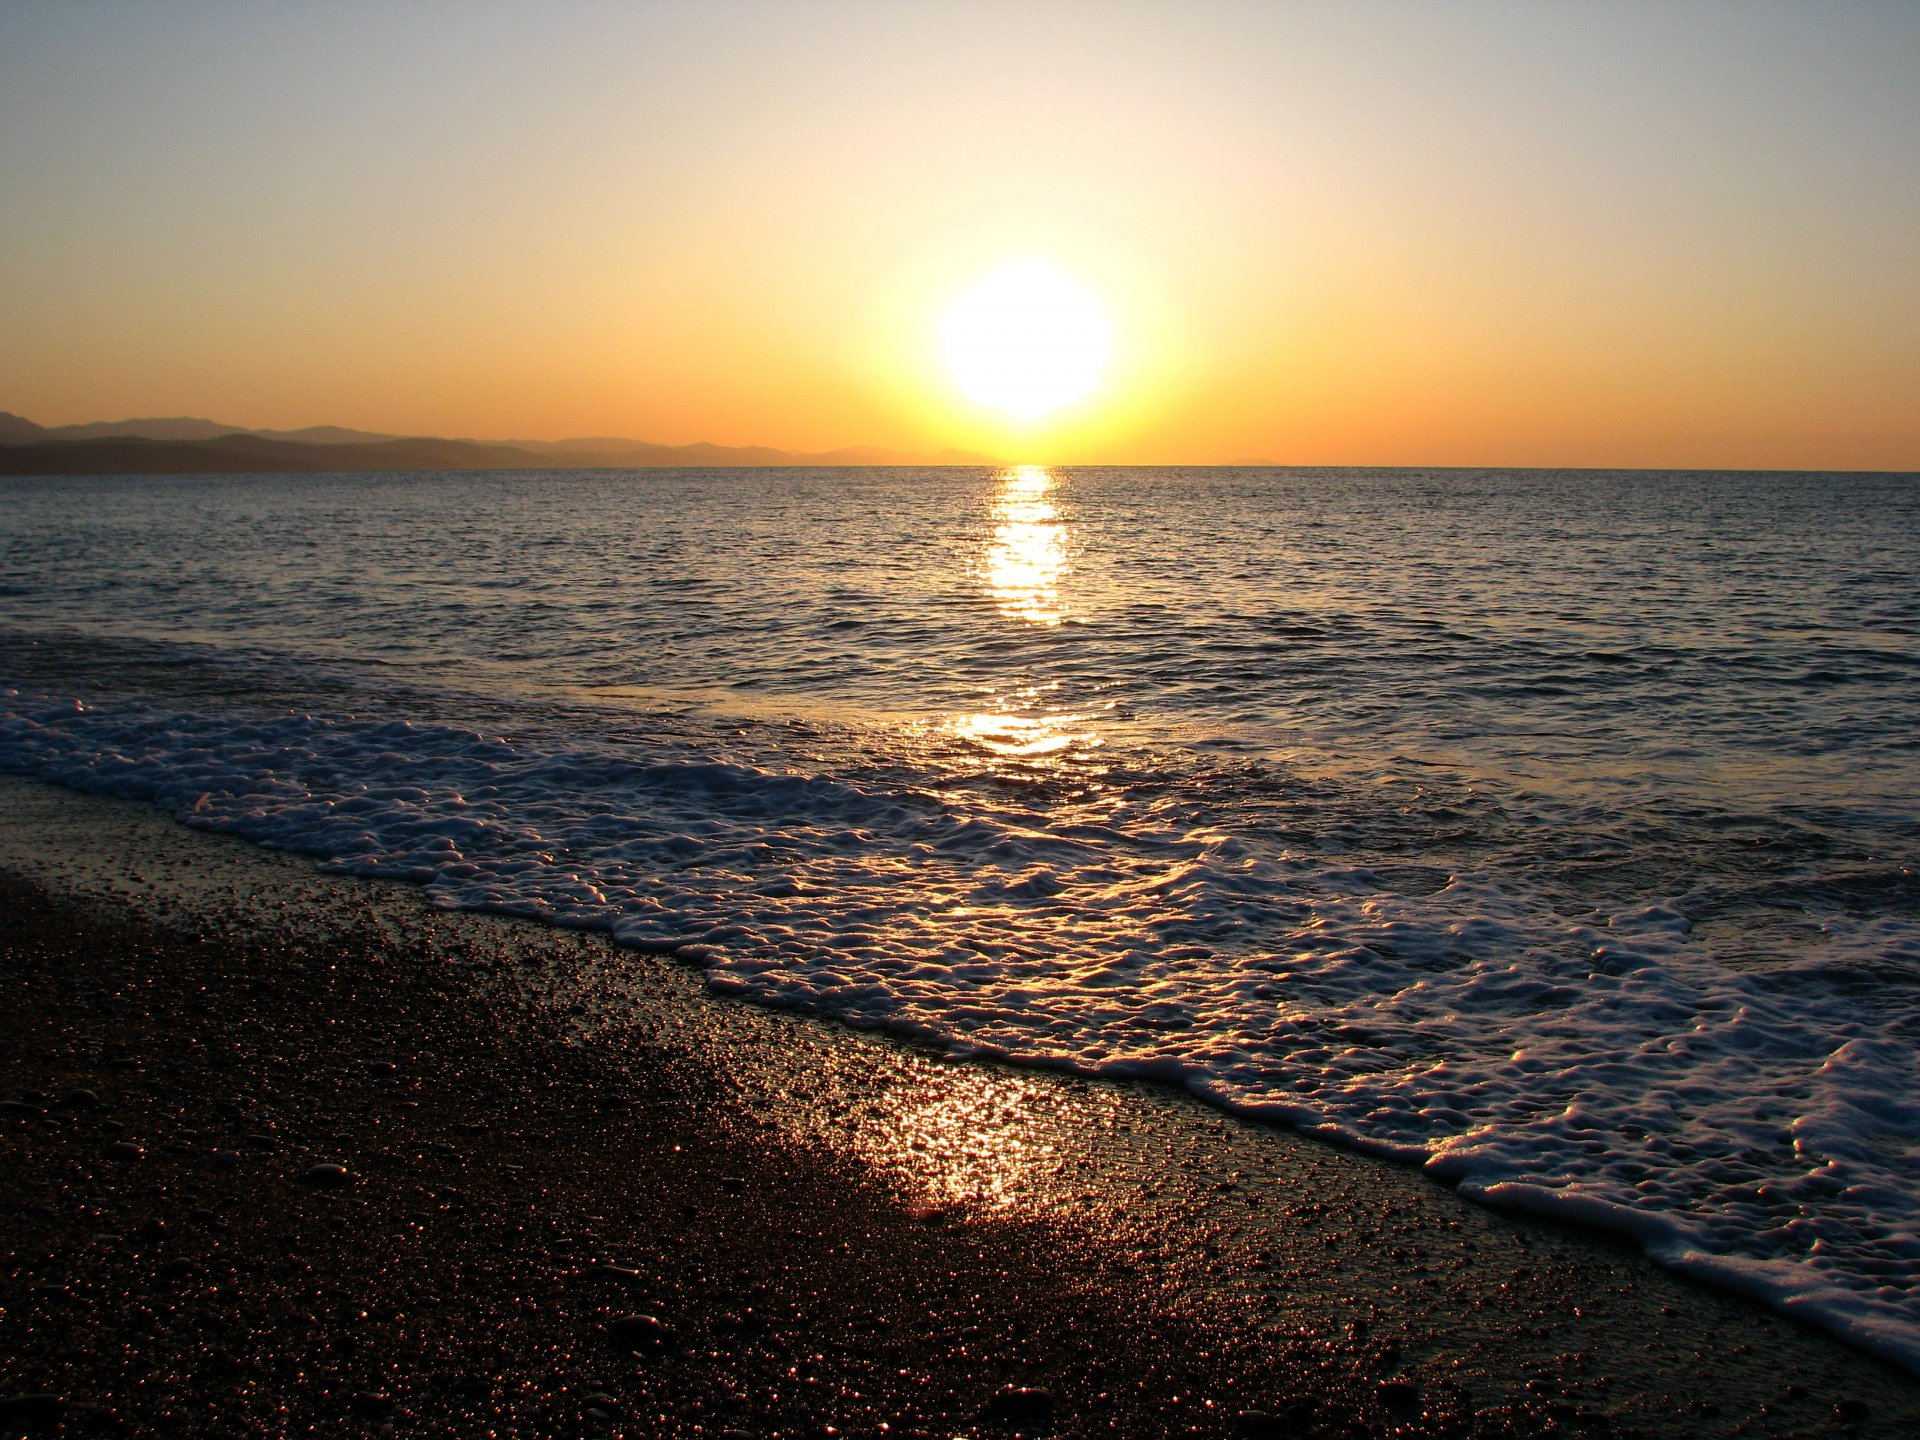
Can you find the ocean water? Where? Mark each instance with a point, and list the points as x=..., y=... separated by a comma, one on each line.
x=1555, y=831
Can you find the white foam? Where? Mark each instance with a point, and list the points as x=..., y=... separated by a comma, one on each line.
x=1758, y=1129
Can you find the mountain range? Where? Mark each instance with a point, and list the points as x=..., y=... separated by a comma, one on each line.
x=184, y=445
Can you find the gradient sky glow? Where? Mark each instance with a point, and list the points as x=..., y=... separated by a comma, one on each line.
x=1663, y=234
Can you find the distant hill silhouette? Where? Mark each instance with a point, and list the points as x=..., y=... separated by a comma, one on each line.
x=254, y=454
x=17, y=430
x=184, y=445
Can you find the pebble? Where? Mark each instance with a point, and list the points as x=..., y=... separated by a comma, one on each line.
x=123, y=1150
x=327, y=1176
x=599, y=1415
x=80, y=1099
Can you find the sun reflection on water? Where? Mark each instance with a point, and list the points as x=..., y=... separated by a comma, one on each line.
x=1022, y=737
x=1028, y=556
x=1023, y=569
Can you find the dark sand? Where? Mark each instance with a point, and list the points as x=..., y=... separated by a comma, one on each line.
x=583, y=1197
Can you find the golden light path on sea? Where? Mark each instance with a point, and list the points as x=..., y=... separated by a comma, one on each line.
x=1024, y=567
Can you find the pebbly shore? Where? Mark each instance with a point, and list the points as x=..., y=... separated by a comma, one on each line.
x=284, y=1152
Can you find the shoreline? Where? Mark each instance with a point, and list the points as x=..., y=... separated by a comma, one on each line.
x=831, y=1229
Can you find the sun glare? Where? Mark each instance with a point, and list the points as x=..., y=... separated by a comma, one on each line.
x=1026, y=338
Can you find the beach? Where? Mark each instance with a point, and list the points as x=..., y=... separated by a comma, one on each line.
x=577, y=1194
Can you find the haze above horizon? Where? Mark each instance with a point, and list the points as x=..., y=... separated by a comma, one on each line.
x=1376, y=234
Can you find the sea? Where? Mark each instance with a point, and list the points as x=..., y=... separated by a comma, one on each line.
x=1556, y=831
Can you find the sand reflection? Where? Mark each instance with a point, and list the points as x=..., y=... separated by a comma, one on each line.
x=963, y=1137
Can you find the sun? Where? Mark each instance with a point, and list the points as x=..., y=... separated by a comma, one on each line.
x=1026, y=338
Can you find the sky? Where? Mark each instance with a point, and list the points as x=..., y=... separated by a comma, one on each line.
x=1467, y=233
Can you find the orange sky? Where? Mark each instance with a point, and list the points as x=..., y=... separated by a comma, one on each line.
x=1533, y=234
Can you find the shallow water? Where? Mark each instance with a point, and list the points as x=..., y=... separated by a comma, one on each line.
x=1556, y=830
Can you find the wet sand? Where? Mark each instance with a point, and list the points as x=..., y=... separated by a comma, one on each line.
x=577, y=1195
